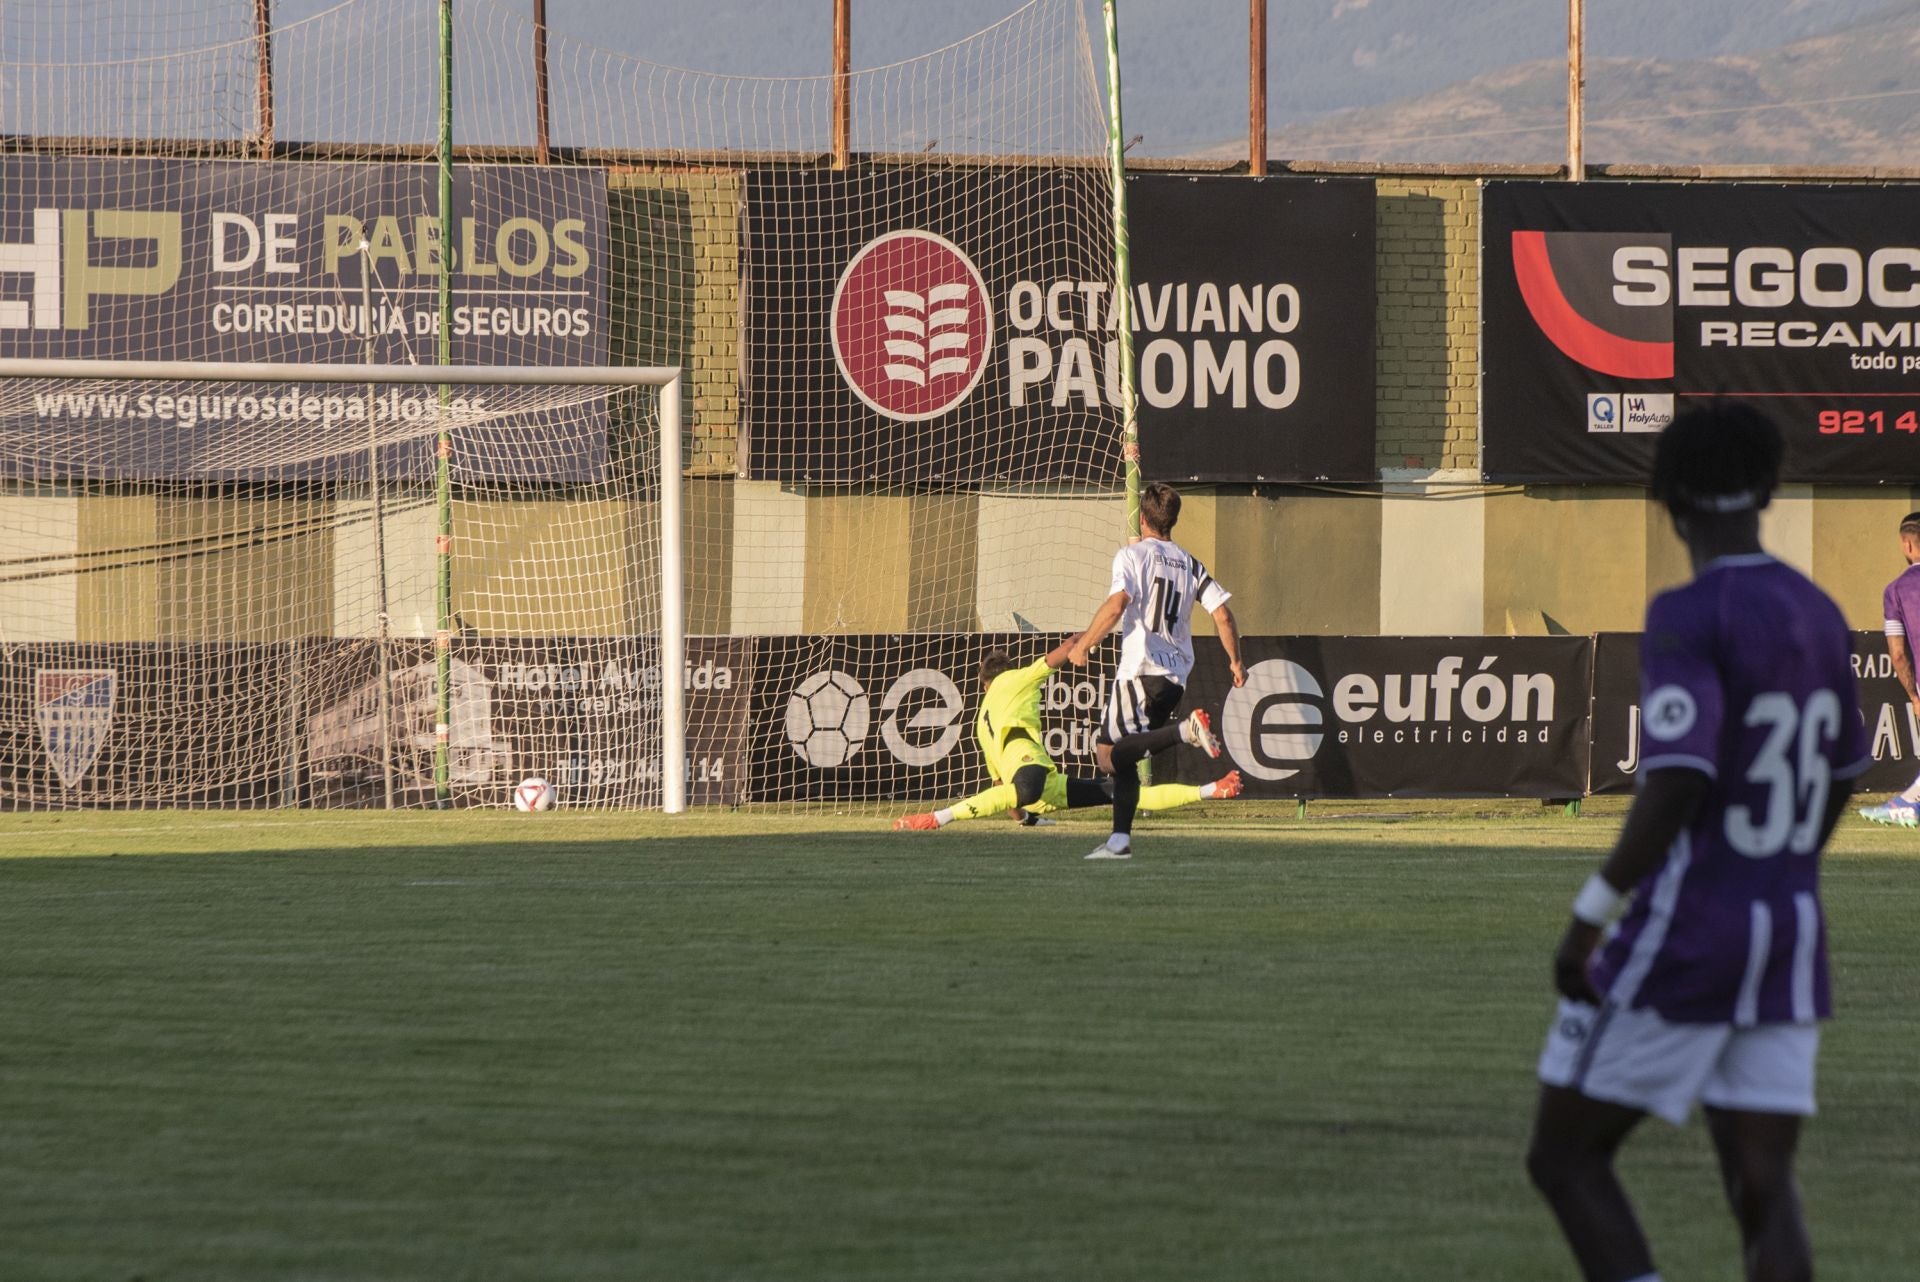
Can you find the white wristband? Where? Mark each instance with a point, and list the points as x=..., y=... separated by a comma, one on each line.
x=1598, y=903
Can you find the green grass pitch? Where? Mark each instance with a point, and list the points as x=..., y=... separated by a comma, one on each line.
x=496, y=1046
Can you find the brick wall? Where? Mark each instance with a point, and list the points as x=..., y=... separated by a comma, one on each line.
x=676, y=295
x=1427, y=265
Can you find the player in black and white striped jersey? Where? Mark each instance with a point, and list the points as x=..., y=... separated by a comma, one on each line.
x=1156, y=584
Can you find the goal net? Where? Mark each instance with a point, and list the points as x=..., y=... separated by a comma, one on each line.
x=209, y=505
x=900, y=447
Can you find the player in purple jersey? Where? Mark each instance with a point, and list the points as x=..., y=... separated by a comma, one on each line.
x=1901, y=610
x=1710, y=988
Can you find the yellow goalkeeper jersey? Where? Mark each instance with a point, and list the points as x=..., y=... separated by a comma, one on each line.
x=1012, y=703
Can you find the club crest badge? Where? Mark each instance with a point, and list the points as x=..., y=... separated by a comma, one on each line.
x=74, y=709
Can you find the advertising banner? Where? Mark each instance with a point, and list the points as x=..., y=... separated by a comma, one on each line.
x=1607, y=307
x=955, y=328
x=1891, y=723
x=1616, y=712
x=1253, y=310
x=103, y=725
x=854, y=718
x=580, y=712
x=943, y=327
x=890, y=718
x=116, y=725
x=1398, y=716
x=205, y=260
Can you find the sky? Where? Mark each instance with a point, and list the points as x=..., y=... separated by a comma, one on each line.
x=1184, y=61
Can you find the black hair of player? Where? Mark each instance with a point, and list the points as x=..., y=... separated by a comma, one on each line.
x=1910, y=524
x=1160, y=507
x=995, y=662
x=1713, y=456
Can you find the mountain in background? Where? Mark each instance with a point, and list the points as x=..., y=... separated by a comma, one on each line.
x=1847, y=97
x=1185, y=61
x=1349, y=79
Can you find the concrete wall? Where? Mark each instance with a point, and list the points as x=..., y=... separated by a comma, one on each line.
x=763, y=559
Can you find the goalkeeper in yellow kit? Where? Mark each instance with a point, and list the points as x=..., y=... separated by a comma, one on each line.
x=1025, y=778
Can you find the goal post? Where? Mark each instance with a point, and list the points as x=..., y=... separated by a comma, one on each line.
x=279, y=431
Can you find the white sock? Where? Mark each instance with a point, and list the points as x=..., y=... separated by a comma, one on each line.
x=1118, y=842
x=1913, y=793
x=1186, y=731
x=1209, y=790
x=943, y=817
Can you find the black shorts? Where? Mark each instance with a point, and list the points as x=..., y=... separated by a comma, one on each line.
x=1139, y=704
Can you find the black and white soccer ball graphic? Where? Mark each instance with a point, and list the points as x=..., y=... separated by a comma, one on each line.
x=827, y=719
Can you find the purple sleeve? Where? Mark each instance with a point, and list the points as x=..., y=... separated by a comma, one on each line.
x=1681, y=699
x=1890, y=611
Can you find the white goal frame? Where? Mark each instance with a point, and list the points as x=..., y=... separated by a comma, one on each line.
x=673, y=617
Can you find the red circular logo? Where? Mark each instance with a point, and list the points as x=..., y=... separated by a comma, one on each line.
x=911, y=325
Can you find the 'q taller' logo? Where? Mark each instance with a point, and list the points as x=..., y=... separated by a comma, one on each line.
x=911, y=326
x=1570, y=285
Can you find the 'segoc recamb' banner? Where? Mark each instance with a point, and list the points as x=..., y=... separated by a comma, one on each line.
x=1398, y=716
x=1253, y=310
x=1607, y=307
x=202, y=260
x=1891, y=723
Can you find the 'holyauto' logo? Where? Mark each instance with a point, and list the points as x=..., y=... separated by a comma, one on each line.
x=1599, y=297
x=911, y=326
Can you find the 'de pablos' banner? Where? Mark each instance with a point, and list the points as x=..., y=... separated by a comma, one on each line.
x=1607, y=307
x=1253, y=311
x=203, y=260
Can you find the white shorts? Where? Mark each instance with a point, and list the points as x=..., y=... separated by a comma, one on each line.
x=1636, y=1058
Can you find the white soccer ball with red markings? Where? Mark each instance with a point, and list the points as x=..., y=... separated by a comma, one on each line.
x=530, y=795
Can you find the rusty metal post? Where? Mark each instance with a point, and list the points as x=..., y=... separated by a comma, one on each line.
x=263, y=38
x=842, y=81
x=1257, y=88
x=1576, y=90
x=542, y=138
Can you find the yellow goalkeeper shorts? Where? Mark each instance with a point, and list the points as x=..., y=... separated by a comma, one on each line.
x=1023, y=752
